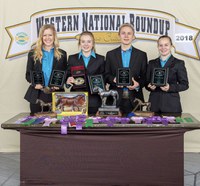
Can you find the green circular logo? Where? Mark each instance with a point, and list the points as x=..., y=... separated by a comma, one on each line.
x=21, y=38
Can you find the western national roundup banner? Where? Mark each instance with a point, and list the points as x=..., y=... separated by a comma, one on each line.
x=104, y=23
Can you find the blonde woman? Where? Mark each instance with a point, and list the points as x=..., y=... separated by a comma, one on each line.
x=166, y=99
x=91, y=62
x=45, y=57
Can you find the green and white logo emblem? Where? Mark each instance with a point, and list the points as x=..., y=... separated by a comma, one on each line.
x=21, y=38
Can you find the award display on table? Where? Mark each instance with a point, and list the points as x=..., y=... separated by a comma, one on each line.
x=159, y=77
x=70, y=103
x=123, y=77
x=37, y=77
x=96, y=81
x=57, y=78
x=78, y=73
x=108, y=110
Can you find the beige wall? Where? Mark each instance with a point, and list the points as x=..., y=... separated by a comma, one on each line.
x=12, y=71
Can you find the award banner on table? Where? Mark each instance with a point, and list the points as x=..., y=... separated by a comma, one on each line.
x=123, y=77
x=159, y=77
x=37, y=77
x=57, y=78
x=78, y=73
x=96, y=81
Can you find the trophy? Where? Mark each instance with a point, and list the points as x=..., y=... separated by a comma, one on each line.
x=108, y=110
x=159, y=77
x=57, y=78
x=139, y=108
x=37, y=77
x=123, y=77
x=48, y=113
x=96, y=81
x=78, y=72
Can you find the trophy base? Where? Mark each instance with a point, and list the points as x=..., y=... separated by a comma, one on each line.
x=50, y=114
x=109, y=111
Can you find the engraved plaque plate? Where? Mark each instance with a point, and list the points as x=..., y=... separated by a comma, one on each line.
x=96, y=81
x=159, y=77
x=37, y=77
x=57, y=78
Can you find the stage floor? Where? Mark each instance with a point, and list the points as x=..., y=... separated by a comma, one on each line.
x=10, y=170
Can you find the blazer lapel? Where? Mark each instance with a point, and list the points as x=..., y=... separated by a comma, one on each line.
x=38, y=66
x=80, y=61
x=119, y=57
x=91, y=61
x=157, y=63
x=170, y=62
x=133, y=59
x=54, y=62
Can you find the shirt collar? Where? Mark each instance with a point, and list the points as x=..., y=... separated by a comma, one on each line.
x=128, y=50
x=166, y=58
x=92, y=54
x=43, y=50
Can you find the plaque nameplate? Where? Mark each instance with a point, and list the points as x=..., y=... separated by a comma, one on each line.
x=123, y=77
x=159, y=77
x=37, y=77
x=78, y=73
x=96, y=81
x=57, y=78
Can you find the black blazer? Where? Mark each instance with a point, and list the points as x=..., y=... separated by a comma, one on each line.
x=138, y=66
x=178, y=81
x=32, y=65
x=95, y=66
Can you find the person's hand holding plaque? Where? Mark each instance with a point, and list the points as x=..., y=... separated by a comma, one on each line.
x=134, y=86
x=123, y=77
x=165, y=88
x=70, y=80
x=114, y=80
x=38, y=86
x=152, y=87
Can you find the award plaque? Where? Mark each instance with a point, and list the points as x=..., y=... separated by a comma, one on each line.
x=159, y=77
x=96, y=81
x=123, y=77
x=78, y=73
x=57, y=78
x=37, y=77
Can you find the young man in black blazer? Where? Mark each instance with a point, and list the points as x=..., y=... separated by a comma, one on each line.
x=127, y=56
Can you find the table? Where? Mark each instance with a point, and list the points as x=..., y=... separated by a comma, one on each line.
x=131, y=155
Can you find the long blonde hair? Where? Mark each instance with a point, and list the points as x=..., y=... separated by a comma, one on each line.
x=39, y=44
